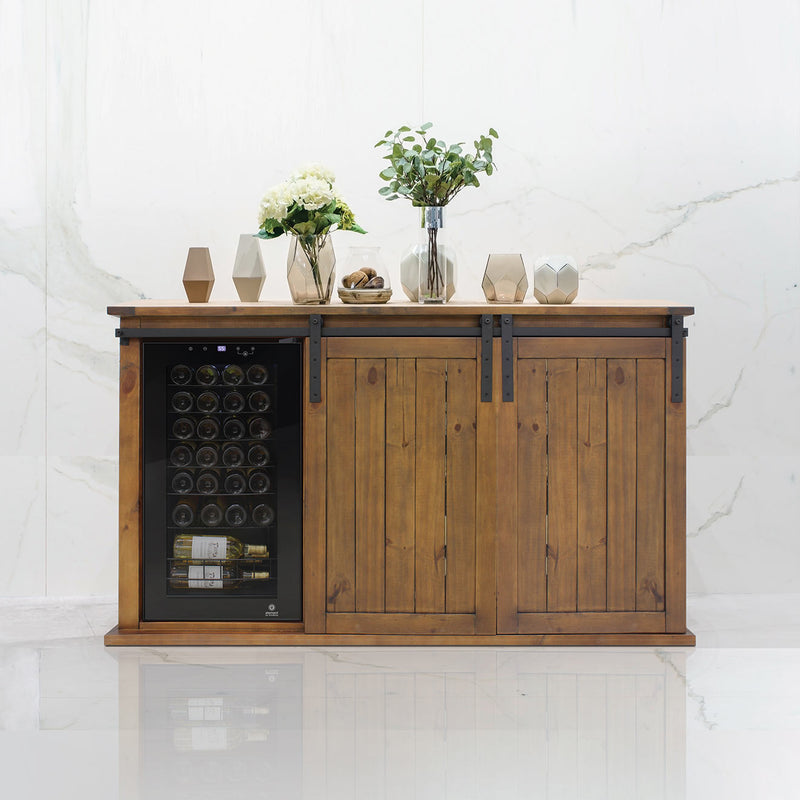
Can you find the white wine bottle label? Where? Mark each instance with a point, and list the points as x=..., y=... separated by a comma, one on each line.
x=205, y=709
x=209, y=547
x=210, y=738
x=205, y=577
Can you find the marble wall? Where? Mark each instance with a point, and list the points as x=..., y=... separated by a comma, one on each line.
x=657, y=141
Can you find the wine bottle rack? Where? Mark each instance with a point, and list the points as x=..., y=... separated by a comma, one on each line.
x=221, y=416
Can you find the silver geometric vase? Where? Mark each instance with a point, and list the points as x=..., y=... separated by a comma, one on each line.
x=248, y=269
x=555, y=279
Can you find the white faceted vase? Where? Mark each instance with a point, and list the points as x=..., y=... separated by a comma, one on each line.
x=412, y=271
x=248, y=269
x=555, y=279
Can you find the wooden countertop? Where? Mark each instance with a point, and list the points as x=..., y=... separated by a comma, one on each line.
x=221, y=308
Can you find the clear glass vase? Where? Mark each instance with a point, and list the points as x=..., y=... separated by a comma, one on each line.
x=311, y=269
x=428, y=270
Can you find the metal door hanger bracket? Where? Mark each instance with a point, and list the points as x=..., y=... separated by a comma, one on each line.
x=315, y=358
x=487, y=337
x=507, y=350
x=677, y=334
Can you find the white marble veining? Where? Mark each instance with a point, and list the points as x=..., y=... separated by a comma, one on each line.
x=721, y=720
x=655, y=141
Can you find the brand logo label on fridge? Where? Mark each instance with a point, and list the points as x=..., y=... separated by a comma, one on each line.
x=272, y=610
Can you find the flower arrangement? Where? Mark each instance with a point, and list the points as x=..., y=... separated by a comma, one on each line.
x=308, y=206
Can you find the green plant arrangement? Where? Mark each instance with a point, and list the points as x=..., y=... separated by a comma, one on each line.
x=430, y=173
x=307, y=206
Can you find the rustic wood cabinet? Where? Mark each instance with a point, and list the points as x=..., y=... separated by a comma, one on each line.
x=473, y=474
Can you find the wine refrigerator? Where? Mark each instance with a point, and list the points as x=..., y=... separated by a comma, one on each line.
x=222, y=497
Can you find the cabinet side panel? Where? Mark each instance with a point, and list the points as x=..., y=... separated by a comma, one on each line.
x=401, y=387
x=675, y=511
x=130, y=484
x=461, y=486
x=650, y=485
x=621, y=577
x=370, y=463
x=562, y=505
x=340, y=505
x=430, y=485
x=592, y=484
x=531, y=485
x=314, y=496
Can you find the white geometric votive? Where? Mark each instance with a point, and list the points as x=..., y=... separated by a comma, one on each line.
x=555, y=279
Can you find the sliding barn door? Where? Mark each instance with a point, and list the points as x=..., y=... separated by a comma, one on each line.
x=409, y=500
x=583, y=543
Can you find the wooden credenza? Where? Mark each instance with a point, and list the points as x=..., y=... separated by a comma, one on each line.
x=473, y=474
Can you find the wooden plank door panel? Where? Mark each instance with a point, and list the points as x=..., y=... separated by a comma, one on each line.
x=401, y=422
x=590, y=479
x=402, y=503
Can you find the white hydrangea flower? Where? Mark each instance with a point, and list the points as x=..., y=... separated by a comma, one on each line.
x=275, y=203
x=315, y=170
x=312, y=193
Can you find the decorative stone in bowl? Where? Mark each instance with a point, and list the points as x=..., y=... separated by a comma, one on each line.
x=367, y=280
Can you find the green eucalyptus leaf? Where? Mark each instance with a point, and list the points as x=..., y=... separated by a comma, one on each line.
x=403, y=129
x=425, y=126
x=489, y=169
x=385, y=190
x=493, y=132
x=388, y=173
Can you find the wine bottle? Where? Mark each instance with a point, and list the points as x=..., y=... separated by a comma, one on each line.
x=215, y=548
x=212, y=709
x=235, y=483
x=181, y=456
x=181, y=401
x=184, y=575
x=180, y=374
x=207, y=483
x=259, y=401
x=235, y=515
x=207, y=455
x=211, y=515
x=203, y=738
x=257, y=374
x=207, y=402
x=207, y=429
x=233, y=375
x=259, y=482
x=260, y=428
x=183, y=515
x=183, y=428
x=258, y=455
x=233, y=456
x=182, y=483
x=263, y=515
x=233, y=429
x=207, y=375
x=233, y=402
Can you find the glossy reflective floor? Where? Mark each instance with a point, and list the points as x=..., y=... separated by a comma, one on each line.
x=719, y=721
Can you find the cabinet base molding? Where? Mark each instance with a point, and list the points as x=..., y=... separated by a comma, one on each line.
x=148, y=637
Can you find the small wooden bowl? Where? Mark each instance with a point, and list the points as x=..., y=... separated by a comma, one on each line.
x=364, y=295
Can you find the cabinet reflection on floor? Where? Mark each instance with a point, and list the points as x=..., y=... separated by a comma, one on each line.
x=410, y=723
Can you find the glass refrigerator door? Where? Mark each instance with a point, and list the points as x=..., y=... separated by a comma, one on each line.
x=222, y=485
